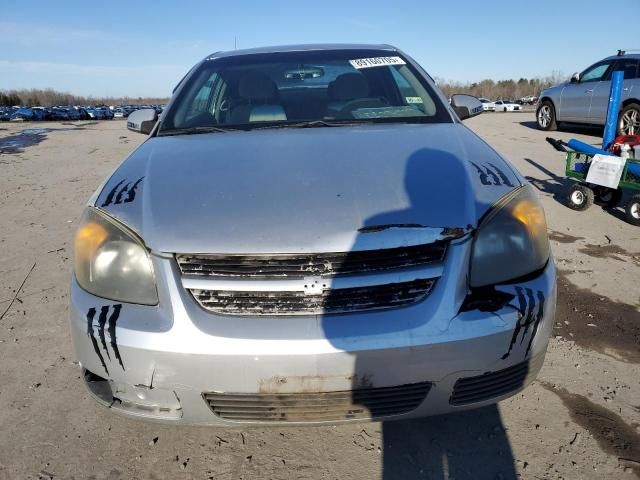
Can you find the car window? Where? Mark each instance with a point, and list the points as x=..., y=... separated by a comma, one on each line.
x=595, y=73
x=282, y=88
x=628, y=65
x=205, y=99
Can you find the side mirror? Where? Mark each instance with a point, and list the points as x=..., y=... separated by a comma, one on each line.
x=466, y=106
x=142, y=121
x=575, y=78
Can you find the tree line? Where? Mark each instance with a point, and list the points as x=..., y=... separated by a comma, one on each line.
x=488, y=88
x=501, y=89
x=48, y=98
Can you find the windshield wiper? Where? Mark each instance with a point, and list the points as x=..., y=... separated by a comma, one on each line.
x=193, y=131
x=313, y=124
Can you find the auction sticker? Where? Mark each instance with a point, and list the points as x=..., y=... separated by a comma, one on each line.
x=376, y=62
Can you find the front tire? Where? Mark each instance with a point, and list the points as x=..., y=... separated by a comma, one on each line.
x=629, y=120
x=546, y=116
x=580, y=197
x=632, y=210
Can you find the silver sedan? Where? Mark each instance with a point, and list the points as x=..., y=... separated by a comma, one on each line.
x=310, y=235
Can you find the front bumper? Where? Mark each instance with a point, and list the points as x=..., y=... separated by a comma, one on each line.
x=158, y=363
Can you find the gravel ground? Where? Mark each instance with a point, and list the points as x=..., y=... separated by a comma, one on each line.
x=580, y=419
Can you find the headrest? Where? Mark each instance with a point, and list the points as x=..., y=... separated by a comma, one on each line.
x=349, y=86
x=257, y=86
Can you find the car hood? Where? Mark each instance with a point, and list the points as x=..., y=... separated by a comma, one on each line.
x=306, y=190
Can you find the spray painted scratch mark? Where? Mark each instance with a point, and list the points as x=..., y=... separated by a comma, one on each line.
x=496, y=180
x=528, y=318
x=90, y=314
x=505, y=179
x=132, y=191
x=484, y=179
x=110, y=324
x=112, y=193
x=538, y=320
x=112, y=332
x=101, y=321
x=492, y=176
x=122, y=194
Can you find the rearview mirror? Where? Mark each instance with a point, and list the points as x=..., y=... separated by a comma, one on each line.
x=575, y=78
x=466, y=106
x=142, y=121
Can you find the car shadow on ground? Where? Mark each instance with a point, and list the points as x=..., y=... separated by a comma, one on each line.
x=565, y=128
x=467, y=445
x=554, y=185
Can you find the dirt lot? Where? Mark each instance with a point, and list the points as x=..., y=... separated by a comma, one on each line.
x=580, y=419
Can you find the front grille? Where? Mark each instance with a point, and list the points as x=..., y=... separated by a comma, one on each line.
x=494, y=384
x=318, y=407
x=317, y=264
x=339, y=300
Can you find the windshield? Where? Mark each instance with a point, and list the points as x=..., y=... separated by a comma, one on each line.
x=295, y=88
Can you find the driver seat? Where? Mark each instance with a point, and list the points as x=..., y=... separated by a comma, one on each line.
x=258, y=102
x=347, y=88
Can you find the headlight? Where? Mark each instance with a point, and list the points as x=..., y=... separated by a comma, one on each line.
x=111, y=262
x=511, y=241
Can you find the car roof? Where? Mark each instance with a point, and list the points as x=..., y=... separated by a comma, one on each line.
x=302, y=48
x=635, y=56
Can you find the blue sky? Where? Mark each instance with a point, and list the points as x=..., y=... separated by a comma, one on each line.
x=140, y=48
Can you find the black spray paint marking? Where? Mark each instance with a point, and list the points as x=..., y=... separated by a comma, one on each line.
x=101, y=321
x=132, y=191
x=527, y=318
x=111, y=328
x=496, y=180
x=538, y=320
x=504, y=178
x=112, y=332
x=531, y=305
x=112, y=193
x=90, y=314
x=490, y=177
x=120, y=194
x=484, y=179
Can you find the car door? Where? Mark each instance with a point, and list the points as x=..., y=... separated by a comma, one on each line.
x=575, y=101
x=602, y=90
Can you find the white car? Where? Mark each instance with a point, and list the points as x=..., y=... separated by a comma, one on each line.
x=487, y=105
x=506, y=106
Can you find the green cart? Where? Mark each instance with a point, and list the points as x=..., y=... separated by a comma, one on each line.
x=582, y=194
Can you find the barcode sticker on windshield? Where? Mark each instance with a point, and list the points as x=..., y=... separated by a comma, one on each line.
x=376, y=62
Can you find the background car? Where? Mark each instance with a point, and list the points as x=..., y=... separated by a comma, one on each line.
x=585, y=97
x=107, y=113
x=487, y=105
x=21, y=114
x=506, y=106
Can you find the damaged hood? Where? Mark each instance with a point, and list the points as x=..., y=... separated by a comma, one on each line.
x=306, y=190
